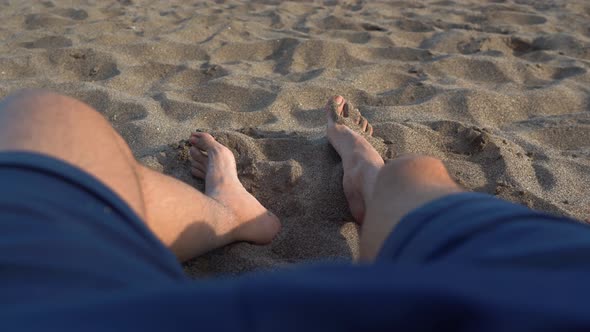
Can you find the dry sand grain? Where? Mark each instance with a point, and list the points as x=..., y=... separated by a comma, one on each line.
x=498, y=89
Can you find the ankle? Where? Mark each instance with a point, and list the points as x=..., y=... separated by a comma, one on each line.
x=368, y=178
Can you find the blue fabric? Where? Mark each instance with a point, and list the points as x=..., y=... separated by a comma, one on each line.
x=73, y=256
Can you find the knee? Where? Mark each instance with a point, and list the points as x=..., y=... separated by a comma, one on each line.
x=411, y=163
x=415, y=169
x=28, y=113
x=25, y=95
x=41, y=100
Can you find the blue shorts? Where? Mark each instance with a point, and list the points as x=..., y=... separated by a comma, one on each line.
x=74, y=256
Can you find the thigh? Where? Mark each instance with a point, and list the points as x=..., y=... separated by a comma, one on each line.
x=69, y=130
x=478, y=230
x=64, y=236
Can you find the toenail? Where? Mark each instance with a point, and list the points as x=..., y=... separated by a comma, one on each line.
x=338, y=100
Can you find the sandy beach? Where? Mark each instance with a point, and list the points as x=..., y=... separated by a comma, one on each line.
x=499, y=90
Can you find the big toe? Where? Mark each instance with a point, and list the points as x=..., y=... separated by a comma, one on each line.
x=203, y=141
x=335, y=108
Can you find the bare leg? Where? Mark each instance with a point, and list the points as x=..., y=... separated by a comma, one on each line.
x=189, y=222
x=380, y=195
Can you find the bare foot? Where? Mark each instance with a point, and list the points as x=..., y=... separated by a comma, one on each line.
x=216, y=164
x=361, y=162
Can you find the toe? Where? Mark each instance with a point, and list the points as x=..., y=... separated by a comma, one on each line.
x=363, y=123
x=354, y=114
x=369, y=130
x=334, y=108
x=203, y=141
x=197, y=173
x=198, y=156
x=346, y=110
x=200, y=166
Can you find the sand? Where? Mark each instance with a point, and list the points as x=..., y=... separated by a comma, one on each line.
x=497, y=89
